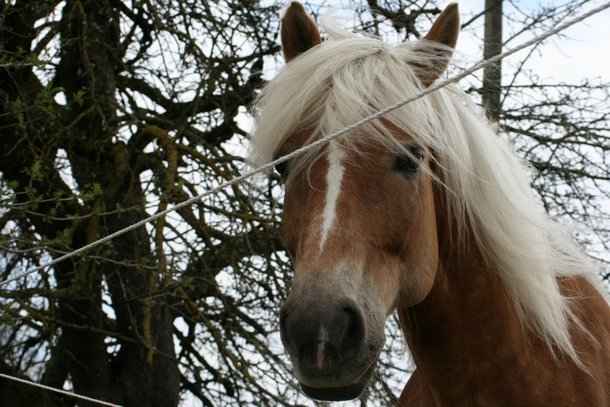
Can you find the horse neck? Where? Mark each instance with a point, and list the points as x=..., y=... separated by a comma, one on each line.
x=467, y=320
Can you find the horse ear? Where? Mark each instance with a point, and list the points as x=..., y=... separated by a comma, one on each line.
x=299, y=31
x=444, y=31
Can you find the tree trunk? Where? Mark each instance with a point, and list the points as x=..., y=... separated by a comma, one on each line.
x=492, y=74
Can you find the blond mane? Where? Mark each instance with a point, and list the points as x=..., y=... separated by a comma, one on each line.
x=349, y=77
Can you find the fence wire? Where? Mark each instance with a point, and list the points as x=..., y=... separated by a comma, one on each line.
x=61, y=391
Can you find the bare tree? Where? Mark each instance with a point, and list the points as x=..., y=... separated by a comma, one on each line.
x=112, y=110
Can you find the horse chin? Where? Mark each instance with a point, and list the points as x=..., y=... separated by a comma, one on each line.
x=339, y=393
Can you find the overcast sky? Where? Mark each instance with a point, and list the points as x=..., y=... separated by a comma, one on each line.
x=585, y=53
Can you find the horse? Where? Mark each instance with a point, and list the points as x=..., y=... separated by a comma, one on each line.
x=426, y=212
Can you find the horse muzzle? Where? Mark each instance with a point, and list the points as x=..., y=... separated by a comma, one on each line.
x=327, y=339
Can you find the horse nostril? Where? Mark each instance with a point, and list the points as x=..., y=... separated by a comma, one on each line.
x=321, y=337
x=354, y=332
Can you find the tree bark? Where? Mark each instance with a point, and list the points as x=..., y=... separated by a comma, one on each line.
x=492, y=74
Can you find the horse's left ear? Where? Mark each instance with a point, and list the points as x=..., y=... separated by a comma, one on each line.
x=444, y=31
x=299, y=31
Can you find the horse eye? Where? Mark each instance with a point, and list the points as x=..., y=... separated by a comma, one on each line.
x=407, y=164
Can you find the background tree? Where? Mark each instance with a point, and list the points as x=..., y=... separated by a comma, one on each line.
x=491, y=91
x=111, y=110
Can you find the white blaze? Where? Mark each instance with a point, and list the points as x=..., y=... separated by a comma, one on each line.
x=321, y=348
x=333, y=189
